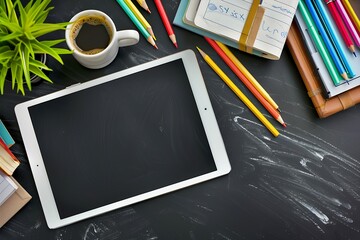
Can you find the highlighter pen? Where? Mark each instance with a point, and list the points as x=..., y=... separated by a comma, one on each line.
x=319, y=43
x=326, y=39
x=334, y=36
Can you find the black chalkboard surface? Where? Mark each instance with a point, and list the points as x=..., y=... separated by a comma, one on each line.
x=303, y=185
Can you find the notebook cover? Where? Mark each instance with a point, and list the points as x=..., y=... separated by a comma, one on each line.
x=324, y=106
x=178, y=21
x=13, y=204
x=5, y=135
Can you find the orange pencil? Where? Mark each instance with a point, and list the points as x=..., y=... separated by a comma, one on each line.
x=247, y=83
x=166, y=21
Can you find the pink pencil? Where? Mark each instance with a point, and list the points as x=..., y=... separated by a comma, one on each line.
x=350, y=26
x=339, y=23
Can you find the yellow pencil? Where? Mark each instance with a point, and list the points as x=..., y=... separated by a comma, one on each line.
x=248, y=75
x=143, y=4
x=238, y=93
x=140, y=17
x=352, y=14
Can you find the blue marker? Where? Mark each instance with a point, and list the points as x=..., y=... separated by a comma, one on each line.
x=326, y=39
x=335, y=39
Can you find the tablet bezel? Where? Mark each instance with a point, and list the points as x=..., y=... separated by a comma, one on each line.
x=205, y=111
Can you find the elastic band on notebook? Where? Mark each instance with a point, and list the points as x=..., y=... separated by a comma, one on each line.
x=248, y=23
x=254, y=29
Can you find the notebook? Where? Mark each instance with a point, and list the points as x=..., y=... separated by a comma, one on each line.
x=8, y=161
x=5, y=135
x=262, y=28
x=7, y=187
x=122, y=138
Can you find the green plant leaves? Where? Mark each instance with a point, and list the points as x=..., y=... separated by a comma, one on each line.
x=20, y=28
x=3, y=71
x=44, y=28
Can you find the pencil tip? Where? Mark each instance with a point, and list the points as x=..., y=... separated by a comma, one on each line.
x=201, y=51
x=354, y=54
x=176, y=45
x=345, y=76
x=284, y=124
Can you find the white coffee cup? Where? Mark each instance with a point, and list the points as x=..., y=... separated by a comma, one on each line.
x=98, y=58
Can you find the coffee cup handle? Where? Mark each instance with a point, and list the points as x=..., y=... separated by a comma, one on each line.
x=127, y=37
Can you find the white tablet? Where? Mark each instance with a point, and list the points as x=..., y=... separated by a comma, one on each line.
x=121, y=139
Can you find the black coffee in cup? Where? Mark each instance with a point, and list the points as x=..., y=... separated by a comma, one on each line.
x=91, y=34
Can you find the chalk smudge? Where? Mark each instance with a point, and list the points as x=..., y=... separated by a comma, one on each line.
x=122, y=224
x=318, y=181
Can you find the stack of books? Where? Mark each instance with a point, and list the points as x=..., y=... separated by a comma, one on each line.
x=12, y=195
x=259, y=27
x=330, y=88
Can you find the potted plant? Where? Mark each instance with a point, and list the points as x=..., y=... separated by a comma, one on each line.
x=20, y=29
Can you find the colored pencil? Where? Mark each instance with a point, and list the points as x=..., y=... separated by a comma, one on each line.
x=140, y=17
x=248, y=75
x=166, y=21
x=137, y=23
x=339, y=23
x=238, y=93
x=334, y=36
x=246, y=81
x=348, y=23
x=143, y=4
x=330, y=47
x=352, y=14
x=319, y=43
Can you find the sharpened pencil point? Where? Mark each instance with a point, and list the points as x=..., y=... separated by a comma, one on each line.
x=354, y=54
x=200, y=51
x=281, y=121
x=344, y=76
x=152, y=42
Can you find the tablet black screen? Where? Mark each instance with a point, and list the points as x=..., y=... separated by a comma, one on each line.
x=121, y=138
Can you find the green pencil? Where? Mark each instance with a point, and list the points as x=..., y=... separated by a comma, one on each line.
x=137, y=23
x=320, y=45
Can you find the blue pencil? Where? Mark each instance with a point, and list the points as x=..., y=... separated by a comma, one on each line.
x=334, y=37
x=326, y=40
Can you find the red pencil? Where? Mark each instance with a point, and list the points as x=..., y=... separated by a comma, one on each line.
x=166, y=21
x=244, y=80
x=340, y=24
